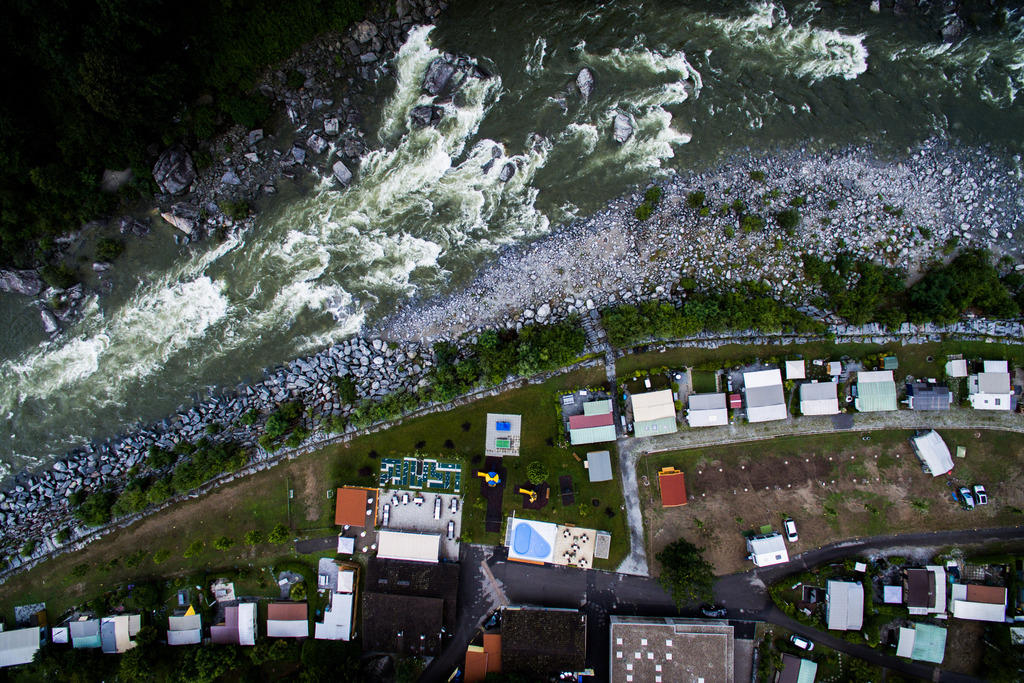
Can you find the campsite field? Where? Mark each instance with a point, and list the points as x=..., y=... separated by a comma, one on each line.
x=263, y=500
x=835, y=486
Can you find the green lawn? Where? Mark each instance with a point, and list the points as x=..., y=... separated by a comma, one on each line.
x=704, y=382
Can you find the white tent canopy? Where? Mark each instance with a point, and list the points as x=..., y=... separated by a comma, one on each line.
x=933, y=453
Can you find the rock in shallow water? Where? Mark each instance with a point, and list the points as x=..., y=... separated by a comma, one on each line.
x=25, y=282
x=341, y=172
x=426, y=115
x=174, y=171
x=622, y=128
x=585, y=82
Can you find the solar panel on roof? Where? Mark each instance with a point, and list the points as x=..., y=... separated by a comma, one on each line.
x=503, y=426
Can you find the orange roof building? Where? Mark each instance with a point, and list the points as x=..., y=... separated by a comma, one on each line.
x=351, y=507
x=673, y=487
x=482, y=660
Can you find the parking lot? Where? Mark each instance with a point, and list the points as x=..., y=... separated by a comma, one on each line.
x=413, y=516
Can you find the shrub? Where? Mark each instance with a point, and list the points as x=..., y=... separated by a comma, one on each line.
x=235, y=209
x=59, y=275
x=797, y=202
x=346, y=387
x=643, y=212
x=135, y=559
x=159, y=458
x=751, y=223
x=29, y=547
x=224, y=543
x=250, y=417
x=80, y=570
x=696, y=199
x=253, y=537
x=62, y=536
x=730, y=232
x=158, y=492
x=214, y=428
x=757, y=176
x=279, y=535
x=194, y=548
x=653, y=195
x=95, y=509
x=108, y=249
x=536, y=472
x=788, y=219
x=298, y=591
x=161, y=556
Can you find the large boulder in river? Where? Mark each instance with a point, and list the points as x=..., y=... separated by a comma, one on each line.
x=426, y=115
x=506, y=172
x=341, y=172
x=622, y=128
x=174, y=171
x=25, y=282
x=439, y=76
x=585, y=82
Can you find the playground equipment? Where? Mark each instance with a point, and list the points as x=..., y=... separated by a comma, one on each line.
x=528, y=492
x=491, y=478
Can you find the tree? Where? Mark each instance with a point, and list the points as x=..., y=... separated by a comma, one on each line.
x=253, y=537
x=193, y=549
x=223, y=543
x=279, y=535
x=536, y=472
x=685, y=574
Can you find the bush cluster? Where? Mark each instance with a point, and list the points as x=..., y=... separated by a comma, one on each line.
x=651, y=198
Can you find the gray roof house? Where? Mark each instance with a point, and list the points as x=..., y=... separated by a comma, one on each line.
x=819, y=398
x=925, y=396
x=707, y=410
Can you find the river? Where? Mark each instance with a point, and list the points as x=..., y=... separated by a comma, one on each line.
x=698, y=80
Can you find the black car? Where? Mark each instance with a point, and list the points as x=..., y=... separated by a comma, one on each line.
x=712, y=611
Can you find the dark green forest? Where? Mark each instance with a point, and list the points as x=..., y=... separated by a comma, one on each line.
x=96, y=84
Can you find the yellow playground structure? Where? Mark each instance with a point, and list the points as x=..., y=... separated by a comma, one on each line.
x=530, y=493
x=491, y=478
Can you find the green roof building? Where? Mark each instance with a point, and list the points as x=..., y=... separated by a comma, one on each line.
x=924, y=642
x=876, y=391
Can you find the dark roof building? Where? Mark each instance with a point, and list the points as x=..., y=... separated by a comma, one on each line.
x=417, y=579
x=924, y=396
x=543, y=640
x=402, y=624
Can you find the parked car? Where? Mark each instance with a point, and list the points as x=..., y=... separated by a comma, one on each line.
x=966, y=499
x=980, y=495
x=451, y=530
x=455, y=505
x=405, y=499
x=712, y=611
x=801, y=643
x=387, y=515
x=790, y=526
x=437, y=507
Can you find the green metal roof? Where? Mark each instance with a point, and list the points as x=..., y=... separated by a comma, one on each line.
x=876, y=396
x=597, y=407
x=929, y=643
x=890, y=363
x=664, y=425
x=808, y=671
x=592, y=435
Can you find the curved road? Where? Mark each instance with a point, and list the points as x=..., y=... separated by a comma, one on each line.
x=489, y=581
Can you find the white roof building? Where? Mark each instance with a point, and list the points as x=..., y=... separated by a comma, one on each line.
x=707, y=410
x=844, y=605
x=795, y=369
x=933, y=453
x=185, y=630
x=116, y=632
x=978, y=603
x=653, y=413
x=767, y=550
x=337, y=623
x=956, y=368
x=990, y=390
x=819, y=398
x=412, y=547
x=765, y=401
x=18, y=646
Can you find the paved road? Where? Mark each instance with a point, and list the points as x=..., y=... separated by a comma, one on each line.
x=601, y=593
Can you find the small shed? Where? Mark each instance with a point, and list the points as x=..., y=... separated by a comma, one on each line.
x=956, y=368
x=890, y=363
x=599, y=466
x=795, y=369
x=892, y=595
x=672, y=483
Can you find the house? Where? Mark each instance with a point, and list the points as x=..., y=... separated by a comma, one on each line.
x=795, y=369
x=978, y=603
x=409, y=546
x=503, y=435
x=926, y=590
x=767, y=549
x=337, y=623
x=819, y=398
x=116, y=632
x=844, y=605
x=288, y=620
x=18, y=646
x=797, y=670
x=923, y=642
x=672, y=484
x=990, y=389
x=407, y=605
x=765, y=401
x=653, y=413
x=185, y=629
x=835, y=368
x=599, y=466
x=85, y=633
x=707, y=410
x=927, y=396
x=670, y=649
x=541, y=641
x=353, y=507
x=933, y=453
x=956, y=367
x=238, y=627
x=595, y=425
x=483, y=659
x=876, y=391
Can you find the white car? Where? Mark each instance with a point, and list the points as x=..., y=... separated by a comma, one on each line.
x=980, y=495
x=387, y=515
x=405, y=499
x=790, y=526
x=455, y=505
x=801, y=643
x=451, y=531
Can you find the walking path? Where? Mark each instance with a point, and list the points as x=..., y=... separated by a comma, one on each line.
x=632, y=449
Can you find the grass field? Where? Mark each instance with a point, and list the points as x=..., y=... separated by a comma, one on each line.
x=263, y=500
x=913, y=358
x=835, y=486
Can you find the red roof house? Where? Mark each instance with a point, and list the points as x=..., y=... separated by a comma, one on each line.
x=673, y=487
